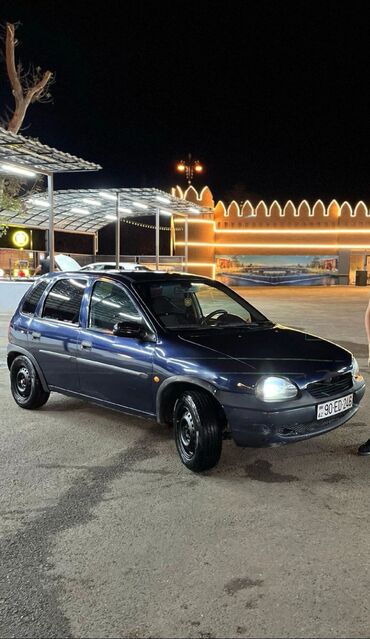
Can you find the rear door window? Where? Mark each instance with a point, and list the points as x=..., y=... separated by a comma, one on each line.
x=33, y=297
x=63, y=303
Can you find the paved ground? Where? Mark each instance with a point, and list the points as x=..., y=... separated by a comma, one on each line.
x=105, y=534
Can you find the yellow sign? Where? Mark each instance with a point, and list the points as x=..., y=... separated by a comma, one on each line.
x=21, y=239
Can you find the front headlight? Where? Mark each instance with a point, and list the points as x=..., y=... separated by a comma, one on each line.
x=355, y=367
x=276, y=389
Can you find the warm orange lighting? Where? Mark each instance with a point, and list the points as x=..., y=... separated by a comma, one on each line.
x=277, y=245
x=180, y=220
x=268, y=231
x=189, y=167
x=207, y=264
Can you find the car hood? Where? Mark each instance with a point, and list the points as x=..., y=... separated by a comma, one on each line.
x=276, y=349
x=66, y=263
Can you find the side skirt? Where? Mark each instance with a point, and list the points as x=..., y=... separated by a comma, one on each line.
x=102, y=402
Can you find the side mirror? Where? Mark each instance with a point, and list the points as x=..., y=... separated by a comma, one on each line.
x=133, y=329
x=128, y=329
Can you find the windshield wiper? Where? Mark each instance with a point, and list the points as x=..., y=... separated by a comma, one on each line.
x=257, y=324
x=220, y=327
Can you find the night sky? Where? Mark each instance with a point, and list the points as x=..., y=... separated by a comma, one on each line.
x=272, y=96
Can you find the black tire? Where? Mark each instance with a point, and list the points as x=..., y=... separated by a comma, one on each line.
x=198, y=430
x=25, y=384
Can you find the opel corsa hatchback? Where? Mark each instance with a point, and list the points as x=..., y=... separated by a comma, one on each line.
x=180, y=349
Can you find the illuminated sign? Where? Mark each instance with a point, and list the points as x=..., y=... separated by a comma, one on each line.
x=20, y=239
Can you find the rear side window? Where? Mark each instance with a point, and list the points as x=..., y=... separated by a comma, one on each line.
x=33, y=297
x=63, y=303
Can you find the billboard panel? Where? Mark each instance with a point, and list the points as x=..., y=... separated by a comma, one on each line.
x=277, y=270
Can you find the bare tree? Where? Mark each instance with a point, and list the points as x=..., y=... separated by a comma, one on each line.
x=27, y=86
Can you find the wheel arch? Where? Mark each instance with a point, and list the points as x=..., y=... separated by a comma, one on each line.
x=18, y=350
x=171, y=389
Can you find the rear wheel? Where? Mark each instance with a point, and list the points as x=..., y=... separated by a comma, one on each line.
x=25, y=384
x=198, y=430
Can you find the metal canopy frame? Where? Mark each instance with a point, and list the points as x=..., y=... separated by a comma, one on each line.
x=69, y=210
x=31, y=154
x=89, y=210
x=18, y=153
x=86, y=210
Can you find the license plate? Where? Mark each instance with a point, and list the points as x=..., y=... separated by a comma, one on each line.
x=328, y=409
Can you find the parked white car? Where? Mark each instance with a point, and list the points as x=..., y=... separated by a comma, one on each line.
x=111, y=266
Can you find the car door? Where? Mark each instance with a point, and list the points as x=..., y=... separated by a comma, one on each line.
x=54, y=335
x=112, y=368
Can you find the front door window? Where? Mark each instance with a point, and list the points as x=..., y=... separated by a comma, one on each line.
x=109, y=305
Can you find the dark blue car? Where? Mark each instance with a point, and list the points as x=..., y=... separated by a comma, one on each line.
x=180, y=349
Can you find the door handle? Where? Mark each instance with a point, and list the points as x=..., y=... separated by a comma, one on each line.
x=36, y=335
x=86, y=346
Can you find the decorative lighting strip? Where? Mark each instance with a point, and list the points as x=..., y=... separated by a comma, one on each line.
x=201, y=264
x=268, y=231
x=277, y=245
x=181, y=220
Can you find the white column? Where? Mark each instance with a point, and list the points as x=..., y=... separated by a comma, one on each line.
x=96, y=243
x=51, y=243
x=186, y=242
x=118, y=233
x=157, y=220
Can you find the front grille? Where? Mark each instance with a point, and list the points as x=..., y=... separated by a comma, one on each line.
x=331, y=387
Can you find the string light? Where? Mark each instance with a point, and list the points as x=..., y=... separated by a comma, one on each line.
x=139, y=224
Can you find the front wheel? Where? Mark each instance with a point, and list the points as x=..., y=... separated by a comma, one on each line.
x=198, y=430
x=25, y=384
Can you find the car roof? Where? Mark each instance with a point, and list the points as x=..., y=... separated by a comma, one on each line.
x=132, y=276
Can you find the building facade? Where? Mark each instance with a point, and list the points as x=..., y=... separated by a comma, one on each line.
x=275, y=243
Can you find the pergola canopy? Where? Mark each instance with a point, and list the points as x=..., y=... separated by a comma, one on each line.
x=31, y=154
x=80, y=210
x=88, y=210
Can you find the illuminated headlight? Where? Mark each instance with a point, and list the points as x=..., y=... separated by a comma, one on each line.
x=2, y=273
x=276, y=389
x=355, y=367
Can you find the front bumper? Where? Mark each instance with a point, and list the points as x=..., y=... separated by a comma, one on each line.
x=259, y=425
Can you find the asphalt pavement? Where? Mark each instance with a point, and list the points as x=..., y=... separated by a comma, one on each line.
x=105, y=534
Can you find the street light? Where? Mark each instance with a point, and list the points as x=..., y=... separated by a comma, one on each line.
x=189, y=167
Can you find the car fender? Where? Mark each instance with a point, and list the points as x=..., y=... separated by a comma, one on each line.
x=22, y=351
x=184, y=379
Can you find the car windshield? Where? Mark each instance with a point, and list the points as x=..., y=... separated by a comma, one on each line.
x=186, y=304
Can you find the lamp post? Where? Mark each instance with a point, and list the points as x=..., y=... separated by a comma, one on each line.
x=189, y=167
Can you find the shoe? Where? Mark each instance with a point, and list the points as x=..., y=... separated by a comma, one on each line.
x=364, y=449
